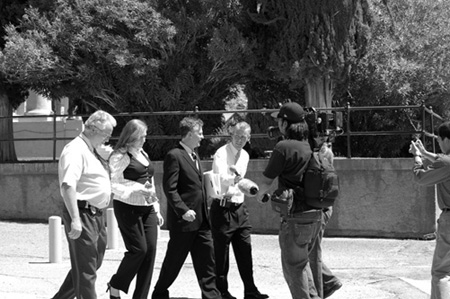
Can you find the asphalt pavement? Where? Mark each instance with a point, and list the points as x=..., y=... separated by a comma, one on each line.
x=368, y=268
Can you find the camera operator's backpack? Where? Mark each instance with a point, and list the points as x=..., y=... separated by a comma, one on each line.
x=319, y=186
x=320, y=180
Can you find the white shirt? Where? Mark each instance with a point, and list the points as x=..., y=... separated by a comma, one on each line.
x=79, y=168
x=122, y=188
x=224, y=158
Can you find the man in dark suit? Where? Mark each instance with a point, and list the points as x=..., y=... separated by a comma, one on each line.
x=187, y=215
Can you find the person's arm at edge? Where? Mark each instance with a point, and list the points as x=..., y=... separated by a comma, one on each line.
x=430, y=175
x=422, y=152
x=264, y=187
x=156, y=204
x=69, y=195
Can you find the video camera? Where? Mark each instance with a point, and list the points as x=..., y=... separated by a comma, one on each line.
x=323, y=126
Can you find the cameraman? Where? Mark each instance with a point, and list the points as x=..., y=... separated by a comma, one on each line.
x=300, y=230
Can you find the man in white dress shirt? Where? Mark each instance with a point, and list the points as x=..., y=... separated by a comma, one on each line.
x=230, y=216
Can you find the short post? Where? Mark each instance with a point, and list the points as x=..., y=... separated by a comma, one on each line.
x=55, y=244
x=112, y=229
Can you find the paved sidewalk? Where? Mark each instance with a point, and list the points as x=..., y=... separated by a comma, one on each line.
x=368, y=268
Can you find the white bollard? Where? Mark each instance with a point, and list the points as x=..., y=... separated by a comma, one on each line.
x=112, y=229
x=55, y=243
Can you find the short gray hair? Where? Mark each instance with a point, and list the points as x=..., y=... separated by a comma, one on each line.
x=100, y=119
x=242, y=125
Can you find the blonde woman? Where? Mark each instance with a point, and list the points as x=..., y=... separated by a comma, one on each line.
x=136, y=208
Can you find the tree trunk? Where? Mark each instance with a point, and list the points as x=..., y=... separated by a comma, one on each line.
x=319, y=92
x=7, y=150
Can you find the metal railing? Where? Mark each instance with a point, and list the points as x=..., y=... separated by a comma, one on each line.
x=347, y=111
x=422, y=132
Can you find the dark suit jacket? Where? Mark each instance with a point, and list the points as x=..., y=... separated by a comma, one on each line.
x=184, y=190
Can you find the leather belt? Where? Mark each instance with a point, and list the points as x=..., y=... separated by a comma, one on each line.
x=292, y=216
x=226, y=203
x=85, y=205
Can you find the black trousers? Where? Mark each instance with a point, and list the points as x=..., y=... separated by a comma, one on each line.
x=232, y=226
x=86, y=256
x=199, y=243
x=139, y=228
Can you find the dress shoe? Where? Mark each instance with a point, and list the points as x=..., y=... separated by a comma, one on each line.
x=109, y=290
x=255, y=295
x=163, y=295
x=328, y=292
x=227, y=295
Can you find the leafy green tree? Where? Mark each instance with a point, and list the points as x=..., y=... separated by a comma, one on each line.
x=187, y=73
x=307, y=45
x=120, y=56
x=98, y=54
x=89, y=50
x=407, y=63
x=11, y=95
x=296, y=50
x=159, y=55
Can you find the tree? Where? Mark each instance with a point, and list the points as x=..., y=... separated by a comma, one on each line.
x=305, y=44
x=89, y=50
x=120, y=56
x=407, y=63
x=296, y=50
x=163, y=55
x=11, y=95
x=99, y=54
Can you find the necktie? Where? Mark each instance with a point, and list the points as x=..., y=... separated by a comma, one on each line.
x=194, y=157
x=236, y=158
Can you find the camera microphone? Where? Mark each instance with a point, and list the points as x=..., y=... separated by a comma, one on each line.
x=248, y=187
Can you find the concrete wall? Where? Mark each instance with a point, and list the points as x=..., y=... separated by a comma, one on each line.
x=378, y=198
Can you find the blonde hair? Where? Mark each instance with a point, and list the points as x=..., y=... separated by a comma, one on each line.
x=131, y=133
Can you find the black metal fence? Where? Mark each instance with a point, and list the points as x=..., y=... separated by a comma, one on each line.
x=342, y=127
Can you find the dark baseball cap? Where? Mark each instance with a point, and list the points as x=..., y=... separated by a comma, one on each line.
x=291, y=112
